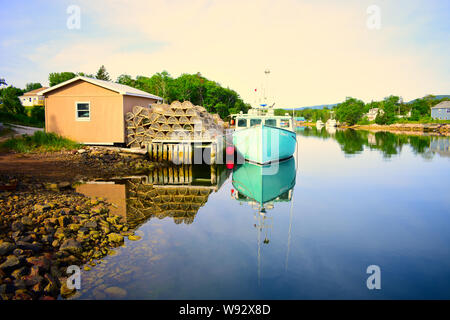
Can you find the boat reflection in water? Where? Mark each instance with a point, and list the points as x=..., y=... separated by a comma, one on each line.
x=261, y=189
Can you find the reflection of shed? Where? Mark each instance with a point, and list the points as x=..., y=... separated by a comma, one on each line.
x=109, y=190
x=441, y=146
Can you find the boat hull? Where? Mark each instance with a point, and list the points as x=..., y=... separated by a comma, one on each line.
x=261, y=184
x=264, y=144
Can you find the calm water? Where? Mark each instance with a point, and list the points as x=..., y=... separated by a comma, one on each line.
x=350, y=200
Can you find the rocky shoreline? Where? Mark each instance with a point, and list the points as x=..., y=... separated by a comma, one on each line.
x=42, y=232
x=409, y=128
x=45, y=226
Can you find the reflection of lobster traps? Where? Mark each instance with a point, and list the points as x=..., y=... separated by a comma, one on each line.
x=146, y=200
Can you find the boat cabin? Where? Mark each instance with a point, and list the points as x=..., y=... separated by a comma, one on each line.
x=258, y=116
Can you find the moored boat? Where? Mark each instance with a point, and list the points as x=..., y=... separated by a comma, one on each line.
x=262, y=137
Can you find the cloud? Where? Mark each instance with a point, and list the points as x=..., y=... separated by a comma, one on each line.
x=318, y=52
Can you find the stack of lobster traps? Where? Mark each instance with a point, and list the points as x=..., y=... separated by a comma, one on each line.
x=175, y=122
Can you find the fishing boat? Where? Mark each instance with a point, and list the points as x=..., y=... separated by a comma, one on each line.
x=262, y=137
x=319, y=124
x=261, y=186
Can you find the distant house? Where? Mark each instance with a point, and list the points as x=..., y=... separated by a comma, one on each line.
x=92, y=111
x=372, y=114
x=441, y=111
x=32, y=98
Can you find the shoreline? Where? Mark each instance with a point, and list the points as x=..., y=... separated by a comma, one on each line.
x=400, y=128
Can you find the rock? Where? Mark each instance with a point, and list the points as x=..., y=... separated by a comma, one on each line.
x=27, y=221
x=41, y=262
x=17, y=226
x=18, y=273
x=64, y=221
x=87, y=268
x=65, y=291
x=12, y=262
x=91, y=224
x=52, y=286
x=71, y=245
x=64, y=185
x=116, y=292
x=6, y=247
x=51, y=186
x=35, y=247
x=74, y=227
x=80, y=151
x=134, y=238
x=41, y=207
x=115, y=238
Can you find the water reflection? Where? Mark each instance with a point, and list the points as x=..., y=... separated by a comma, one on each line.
x=389, y=144
x=175, y=192
x=261, y=187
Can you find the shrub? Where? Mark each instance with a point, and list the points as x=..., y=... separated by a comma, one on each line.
x=39, y=141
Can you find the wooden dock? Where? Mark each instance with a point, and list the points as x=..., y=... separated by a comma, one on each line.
x=186, y=151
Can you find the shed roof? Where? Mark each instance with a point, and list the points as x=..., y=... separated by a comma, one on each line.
x=443, y=104
x=35, y=91
x=113, y=86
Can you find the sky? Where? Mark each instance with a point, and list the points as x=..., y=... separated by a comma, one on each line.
x=318, y=52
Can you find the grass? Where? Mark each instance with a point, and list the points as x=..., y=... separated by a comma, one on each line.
x=39, y=142
x=21, y=119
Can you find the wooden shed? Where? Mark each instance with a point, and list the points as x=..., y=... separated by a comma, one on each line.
x=92, y=111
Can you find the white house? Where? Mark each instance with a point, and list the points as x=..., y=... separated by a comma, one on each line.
x=372, y=114
x=31, y=98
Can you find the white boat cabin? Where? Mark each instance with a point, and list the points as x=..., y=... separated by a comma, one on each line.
x=258, y=116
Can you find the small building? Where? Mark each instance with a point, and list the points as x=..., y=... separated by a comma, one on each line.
x=373, y=113
x=32, y=98
x=92, y=111
x=441, y=111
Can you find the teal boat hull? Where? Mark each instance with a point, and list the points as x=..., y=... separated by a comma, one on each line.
x=264, y=144
x=261, y=184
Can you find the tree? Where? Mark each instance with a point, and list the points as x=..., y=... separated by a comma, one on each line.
x=10, y=100
x=82, y=74
x=350, y=111
x=102, y=74
x=58, y=77
x=32, y=86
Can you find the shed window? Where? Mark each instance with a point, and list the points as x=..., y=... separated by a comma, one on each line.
x=242, y=123
x=83, y=111
x=254, y=122
x=271, y=122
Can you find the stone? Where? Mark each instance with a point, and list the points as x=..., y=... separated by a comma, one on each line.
x=41, y=262
x=116, y=292
x=6, y=247
x=65, y=291
x=41, y=207
x=11, y=262
x=90, y=225
x=35, y=247
x=115, y=238
x=134, y=238
x=17, y=226
x=64, y=221
x=64, y=185
x=18, y=273
x=27, y=221
x=80, y=151
x=71, y=245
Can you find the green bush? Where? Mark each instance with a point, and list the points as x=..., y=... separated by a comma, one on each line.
x=39, y=141
x=19, y=118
